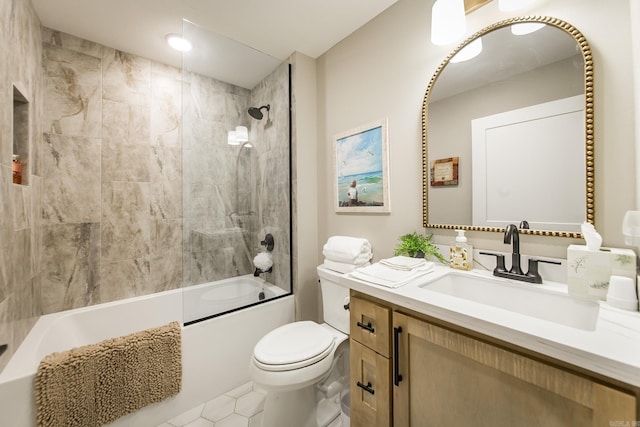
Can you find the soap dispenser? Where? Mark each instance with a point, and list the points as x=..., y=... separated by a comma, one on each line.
x=461, y=253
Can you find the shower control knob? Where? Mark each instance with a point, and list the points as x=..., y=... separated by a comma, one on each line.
x=268, y=242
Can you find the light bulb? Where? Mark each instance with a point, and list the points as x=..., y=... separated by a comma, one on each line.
x=242, y=134
x=525, y=28
x=231, y=138
x=468, y=52
x=448, y=22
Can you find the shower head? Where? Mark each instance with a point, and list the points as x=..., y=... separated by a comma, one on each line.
x=256, y=112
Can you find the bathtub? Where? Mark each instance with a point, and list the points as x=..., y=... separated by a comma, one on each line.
x=209, y=347
x=210, y=299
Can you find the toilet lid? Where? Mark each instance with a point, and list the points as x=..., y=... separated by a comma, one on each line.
x=293, y=343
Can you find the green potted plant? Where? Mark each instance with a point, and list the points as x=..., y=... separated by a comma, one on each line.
x=418, y=246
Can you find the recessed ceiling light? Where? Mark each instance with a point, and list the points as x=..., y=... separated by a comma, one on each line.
x=178, y=42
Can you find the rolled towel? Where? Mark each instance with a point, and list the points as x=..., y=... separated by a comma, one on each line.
x=263, y=261
x=352, y=250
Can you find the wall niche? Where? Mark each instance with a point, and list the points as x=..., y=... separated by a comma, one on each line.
x=20, y=158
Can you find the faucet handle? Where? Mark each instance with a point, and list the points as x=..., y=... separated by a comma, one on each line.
x=268, y=242
x=500, y=268
x=533, y=269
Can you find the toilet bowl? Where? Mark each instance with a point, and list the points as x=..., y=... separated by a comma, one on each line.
x=295, y=355
x=292, y=360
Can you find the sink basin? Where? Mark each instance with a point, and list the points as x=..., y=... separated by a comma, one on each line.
x=517, y=297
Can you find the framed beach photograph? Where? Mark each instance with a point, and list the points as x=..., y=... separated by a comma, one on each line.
x=361, y=158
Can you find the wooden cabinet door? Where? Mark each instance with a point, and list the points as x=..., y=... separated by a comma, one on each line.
x=450, y=379
x=370, y=387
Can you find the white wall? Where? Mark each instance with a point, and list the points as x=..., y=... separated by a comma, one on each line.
x=635, y=31
x=304, y=177
x=382, y=70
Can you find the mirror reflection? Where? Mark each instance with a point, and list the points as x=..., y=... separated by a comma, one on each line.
x=506, y=137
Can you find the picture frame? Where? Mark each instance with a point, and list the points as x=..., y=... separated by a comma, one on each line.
x=361, y=169
x=444, y=172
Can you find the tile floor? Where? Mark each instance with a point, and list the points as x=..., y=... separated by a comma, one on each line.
x=241, y=407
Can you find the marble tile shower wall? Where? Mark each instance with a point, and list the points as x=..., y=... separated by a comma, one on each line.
x=234, y=195
x=101, y=218
x=112, y=169
x=114, y=179
x=272, y=146
x=20, y=231
x=214, y=241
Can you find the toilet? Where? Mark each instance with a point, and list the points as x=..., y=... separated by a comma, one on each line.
x=301, y=365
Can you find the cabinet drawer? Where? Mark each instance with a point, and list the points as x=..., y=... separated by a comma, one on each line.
x=370, y=325
x=370, y=387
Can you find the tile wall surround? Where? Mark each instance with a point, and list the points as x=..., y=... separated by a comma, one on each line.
x=234, y=195
x=102, y=216
x=20, y=205
x=112, y=168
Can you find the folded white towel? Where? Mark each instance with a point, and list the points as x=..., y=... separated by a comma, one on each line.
x=383, y=275
x=342, y=267
x=353, y=250
x=403, y=262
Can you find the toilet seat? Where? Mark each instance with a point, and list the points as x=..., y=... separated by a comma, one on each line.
x=293, y=346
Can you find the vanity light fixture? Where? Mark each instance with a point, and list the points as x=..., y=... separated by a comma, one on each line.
x=468, y=52
x=231, y=138
x=242, y=134
x=525, y=28
x=178, y=42
x=448, y=22
x=511, y=5
x=449, y=25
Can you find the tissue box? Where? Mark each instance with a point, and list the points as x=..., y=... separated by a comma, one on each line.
x=588, y=271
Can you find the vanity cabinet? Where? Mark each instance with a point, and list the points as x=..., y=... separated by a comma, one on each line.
x=370, y=364
x=426, y=373
x=453, y=379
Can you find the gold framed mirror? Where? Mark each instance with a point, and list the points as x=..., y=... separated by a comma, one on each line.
x=539, y=169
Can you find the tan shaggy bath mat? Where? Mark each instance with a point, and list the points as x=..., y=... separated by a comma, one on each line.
x=95, y=384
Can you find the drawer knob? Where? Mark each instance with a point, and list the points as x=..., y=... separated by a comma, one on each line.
x=366, y=388
x=367, y=327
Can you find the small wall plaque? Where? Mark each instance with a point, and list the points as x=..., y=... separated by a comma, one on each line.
x=444, y=172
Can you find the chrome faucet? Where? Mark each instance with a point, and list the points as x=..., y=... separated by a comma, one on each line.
x=511, y=236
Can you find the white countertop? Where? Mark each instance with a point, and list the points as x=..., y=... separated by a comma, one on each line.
x=612, y=349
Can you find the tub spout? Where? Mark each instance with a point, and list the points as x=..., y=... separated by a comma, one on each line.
x=260, y=271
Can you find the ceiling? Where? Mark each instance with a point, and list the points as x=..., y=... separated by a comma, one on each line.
x=273, y=27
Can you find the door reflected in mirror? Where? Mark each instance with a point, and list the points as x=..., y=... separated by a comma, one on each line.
x=538, y=169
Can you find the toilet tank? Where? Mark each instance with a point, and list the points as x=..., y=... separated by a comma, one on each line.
x=334, y=299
